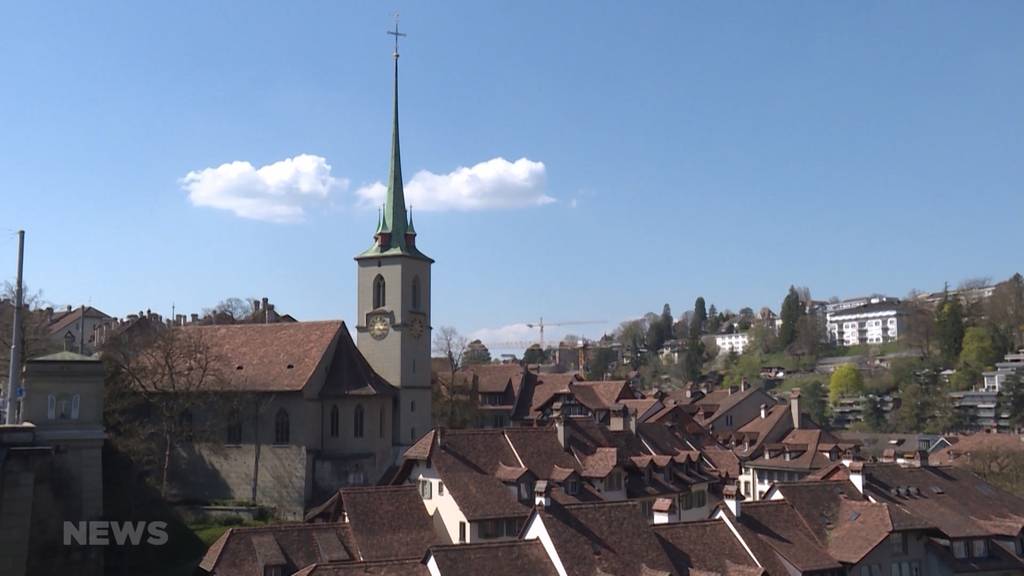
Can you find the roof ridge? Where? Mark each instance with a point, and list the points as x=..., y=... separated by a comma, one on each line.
x=484, y=544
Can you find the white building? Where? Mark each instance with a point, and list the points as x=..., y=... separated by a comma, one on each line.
x=1011, y=364
x=737, y=342
x=879, y=321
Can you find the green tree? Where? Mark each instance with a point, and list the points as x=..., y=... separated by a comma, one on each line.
x=812, y=399
x=949, y=329
x=846, y=380
x=714, y=320
x=667, y=322
x=476, y=353
x=978, y=349
x=699, y=319
x=600, y=362
x=791, y=312
x=1012, y=398
x=874, y=414
x=1005, y=309
x=534, y=355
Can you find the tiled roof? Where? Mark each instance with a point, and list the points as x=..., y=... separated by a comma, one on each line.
x=541, y=453
x=706, y=547
x=512, y=558
x=547, y=386
x=605, y=538
x=387, y=522
x=601, y=395
x=726, y=401
x=63, y=320
x=283, y=357
x=778, y=525
x=379, y=568
x=246, y=550
x=954, y=500
x=961, y=449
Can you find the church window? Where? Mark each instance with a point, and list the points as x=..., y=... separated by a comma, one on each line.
x=334, y=421
x=76, y=402
x=282, y=428
x=378, y=292
x=51, y=407
x=186, y=425
x=358, y=422
x=412, y=434
x=412, y=406
x=417, y=296
x=234, y=428
x=380, y=423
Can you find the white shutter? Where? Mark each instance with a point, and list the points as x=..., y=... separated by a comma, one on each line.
x=74, y=407
x=51, y=407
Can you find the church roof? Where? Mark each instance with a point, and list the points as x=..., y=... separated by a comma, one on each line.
x=285, y=357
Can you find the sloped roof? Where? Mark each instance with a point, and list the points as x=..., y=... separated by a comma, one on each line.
x=245, y=550
x=601, y=395
x=283, y=357
x=511, y=558
x=706, y=547
x=778, y=525
x=386, y=522
x=540, y=451
x=726, y=400
x=377, y=568
x=605, y=538
x=65, y=319
x=952, y=499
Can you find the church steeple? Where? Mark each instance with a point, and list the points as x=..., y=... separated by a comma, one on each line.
x=394, y=209
x=395, y=234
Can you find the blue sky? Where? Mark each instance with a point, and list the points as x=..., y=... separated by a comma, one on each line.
x=724, y=149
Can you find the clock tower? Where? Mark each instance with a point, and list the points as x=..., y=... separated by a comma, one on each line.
x=393, y=324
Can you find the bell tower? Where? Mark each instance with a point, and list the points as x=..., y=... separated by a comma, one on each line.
x=393, y=324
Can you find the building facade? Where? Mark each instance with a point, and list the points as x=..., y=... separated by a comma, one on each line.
x=876, y=320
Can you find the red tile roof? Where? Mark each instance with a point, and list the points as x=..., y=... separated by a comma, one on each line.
x=706, y=547
x=510, y=558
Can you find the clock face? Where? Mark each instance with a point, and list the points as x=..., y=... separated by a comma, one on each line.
x=379, y=326
x=416, y=327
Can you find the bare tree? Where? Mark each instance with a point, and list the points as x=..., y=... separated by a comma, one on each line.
x=455, y=396
x=172, y=374
x=240, y=309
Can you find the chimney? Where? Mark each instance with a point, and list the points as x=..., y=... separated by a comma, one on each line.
x=732, y=497
x=794, y=407
x=438, y=437
x=195, y=318
x=255, y=306
x=857, y=475
x=265, y=302
x=631, y=419
x=764, y=411
x=541, y=495
x=744, y=385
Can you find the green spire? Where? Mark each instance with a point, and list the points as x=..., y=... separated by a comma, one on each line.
x=394, y=210
x=394, y=224
x=411, y=229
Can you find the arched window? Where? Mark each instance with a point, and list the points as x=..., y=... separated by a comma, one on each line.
x=357, y=422
x=334, y=421
x=378, y=292
x=417, y=296
x=282, y=428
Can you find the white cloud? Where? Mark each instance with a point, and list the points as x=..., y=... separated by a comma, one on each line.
x=496, y=184
x=507, y=333
x=276, y=192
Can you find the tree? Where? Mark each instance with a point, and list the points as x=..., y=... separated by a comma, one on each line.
x=746, y=319
x=700, y=318
x=632, y=335
x=239, y=309
x=978, y=348
x=601, y=360
x=920, y=331
x=454, y=396
x=790, y=314
x=1012, y=398
x=534, y=355
x=176, y=375
x=1005, y=309
x=667, y=322
x=812, y=399
x=949, y=328
x=874, y=414
x=808, y=337
x=35, y=338
x=846, y=380
x=476, y=353
x=714, y=320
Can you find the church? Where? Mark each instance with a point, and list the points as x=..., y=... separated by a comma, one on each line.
x=322, y=411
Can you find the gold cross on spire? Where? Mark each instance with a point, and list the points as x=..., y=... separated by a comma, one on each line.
x=396, y=34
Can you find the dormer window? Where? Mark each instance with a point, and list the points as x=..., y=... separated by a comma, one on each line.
x=614, y=481
x=979, y=548
x=959, y=549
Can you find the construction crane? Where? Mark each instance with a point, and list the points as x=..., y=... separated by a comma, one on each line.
x=542, y=324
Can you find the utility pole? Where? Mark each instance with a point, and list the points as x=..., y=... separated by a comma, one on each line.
x=14, y=376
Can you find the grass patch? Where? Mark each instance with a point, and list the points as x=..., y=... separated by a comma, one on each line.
x=208, y=531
